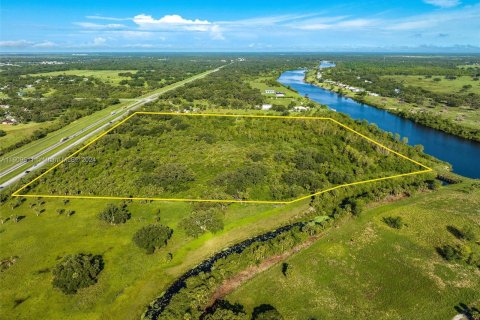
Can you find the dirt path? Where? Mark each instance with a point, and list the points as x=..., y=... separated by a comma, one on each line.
x=229, y=285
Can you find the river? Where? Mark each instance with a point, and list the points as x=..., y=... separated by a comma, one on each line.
x=462, y=154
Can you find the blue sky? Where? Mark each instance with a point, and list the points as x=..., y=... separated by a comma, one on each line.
x=167, y=25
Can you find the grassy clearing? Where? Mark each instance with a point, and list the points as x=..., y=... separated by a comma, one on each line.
x=365, y=269
x=131, y=279
x=442, y=86
x=261, y=83
x=108, y=76
x=19, y=132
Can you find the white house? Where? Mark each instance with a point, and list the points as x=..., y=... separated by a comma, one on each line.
x=269, y=91
x=300, y=108
x=279, y=94
x=266, y=106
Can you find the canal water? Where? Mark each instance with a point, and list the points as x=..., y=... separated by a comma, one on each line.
x=462, y=154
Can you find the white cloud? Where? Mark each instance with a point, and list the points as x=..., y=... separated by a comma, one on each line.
x=171, y=22
x=15, y=44
x=99, y=41
x=97, y=17
x=265, y=21
x=335, y=23
x=45, y=45
x=443, y=3
x=96, y=26
x=27, y=44
x=439, y=19
x=135, y=34
x=216, y=33
x=175, y=22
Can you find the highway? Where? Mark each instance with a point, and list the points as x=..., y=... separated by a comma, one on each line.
x=83, y=134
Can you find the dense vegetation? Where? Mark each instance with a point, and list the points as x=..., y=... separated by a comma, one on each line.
x=115, y=214
x=152, y=237
x=77, y=271
x=240, y=158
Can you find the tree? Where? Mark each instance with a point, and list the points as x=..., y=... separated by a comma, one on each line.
x=266, y=312
x=152, y=237
x=201, y=221
x=393, y=222
x=224, y=310
x=115, y=214
x=77, y=271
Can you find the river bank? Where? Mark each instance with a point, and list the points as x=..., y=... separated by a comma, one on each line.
x=462, y=154
x=425, y=117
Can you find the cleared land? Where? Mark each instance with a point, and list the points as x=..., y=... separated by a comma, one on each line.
x=262, y=84
x=108, y=76
x=16, y=133
x=131, y=278
x=200, y=157
x=442, y=86
x=366, y=269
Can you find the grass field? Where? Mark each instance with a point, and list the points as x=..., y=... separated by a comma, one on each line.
x=290, y=95
x=109, y=76
x=442, y=86
x=367, y=270
x=19, y=132
x=131, y=279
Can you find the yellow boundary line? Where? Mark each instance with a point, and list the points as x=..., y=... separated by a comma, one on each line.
x=425, y=168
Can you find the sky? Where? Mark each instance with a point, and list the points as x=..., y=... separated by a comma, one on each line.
x=228, y=25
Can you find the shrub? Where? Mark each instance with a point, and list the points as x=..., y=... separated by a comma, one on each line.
x=2, y=133
x=207, y=137
x=246, y=176
x=115, y=214
x=170, y=176
x=266, y=312
x=255, y=156
x=469, y=233
x=152, y=237
x=224, y=310
x=77, y=271
x=393, y=222
x=450, y=253
x=199, y=222
x=466, y=233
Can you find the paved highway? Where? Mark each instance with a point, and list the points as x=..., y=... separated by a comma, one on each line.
x=70, y=142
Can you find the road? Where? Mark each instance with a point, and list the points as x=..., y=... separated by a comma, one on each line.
x=98, y=127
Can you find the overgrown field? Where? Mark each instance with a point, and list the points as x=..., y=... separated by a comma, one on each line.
x=461, y=84
x=368, y=269
x=215, y=157
x=16, y=133
x=109, y=76
x=131, y=278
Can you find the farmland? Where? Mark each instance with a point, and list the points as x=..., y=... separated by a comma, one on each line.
x=367, y=269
